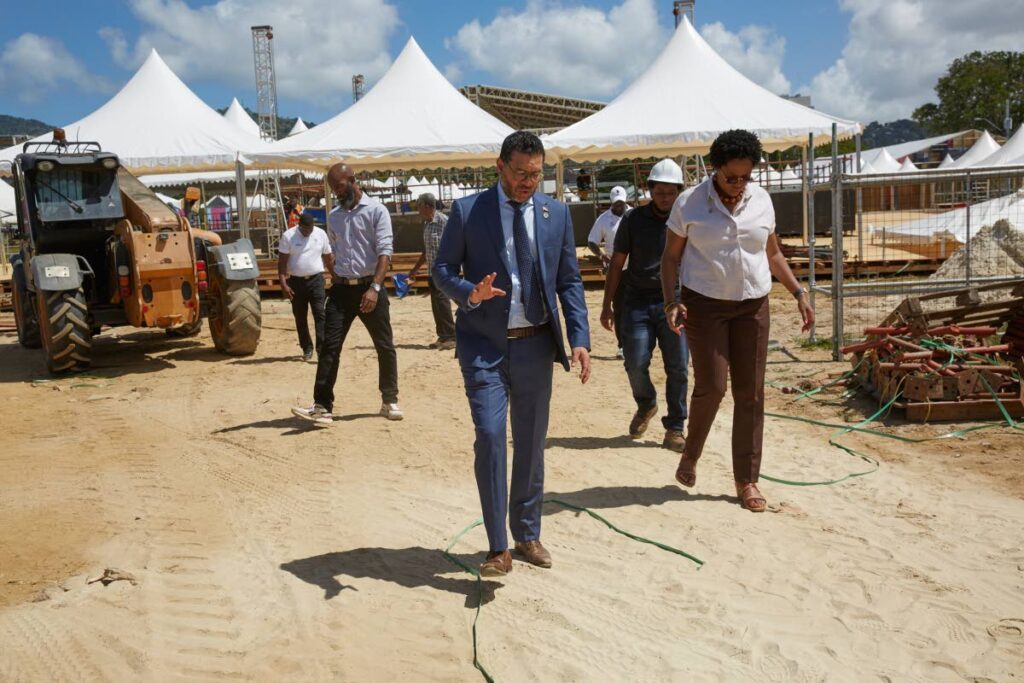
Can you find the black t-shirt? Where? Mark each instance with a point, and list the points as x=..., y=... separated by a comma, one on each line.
x=641, y=236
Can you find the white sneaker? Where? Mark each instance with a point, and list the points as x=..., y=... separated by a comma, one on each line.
x=317, y=414
x=391, y=411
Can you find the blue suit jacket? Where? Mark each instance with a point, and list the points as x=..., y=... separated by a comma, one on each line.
x=473, y=247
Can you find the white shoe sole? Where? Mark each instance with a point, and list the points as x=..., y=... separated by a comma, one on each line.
x=319, y=421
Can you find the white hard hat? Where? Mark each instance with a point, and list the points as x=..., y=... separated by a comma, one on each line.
x=618, y=194
x=666, y=171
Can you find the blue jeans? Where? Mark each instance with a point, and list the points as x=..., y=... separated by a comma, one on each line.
x=643, y=326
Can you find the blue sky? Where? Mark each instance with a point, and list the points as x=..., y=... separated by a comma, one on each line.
x=868, y=59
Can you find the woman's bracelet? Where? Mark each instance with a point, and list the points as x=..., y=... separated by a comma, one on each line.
x=669, y=304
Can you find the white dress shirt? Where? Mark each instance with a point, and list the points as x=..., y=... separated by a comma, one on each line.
x=517, y=311
x=726, y=253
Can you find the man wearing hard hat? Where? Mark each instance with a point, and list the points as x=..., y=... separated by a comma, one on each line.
x=603, y=234
x=640, y=238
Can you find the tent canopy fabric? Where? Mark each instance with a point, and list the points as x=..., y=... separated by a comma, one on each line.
x=680, y=105
x=983, y=147
x=907, y=166
x=8, y=204
x=953, y=224
x=902, y=149
x=412, y=118
x=1010, y=154
x=299, y=127
x=947, y=162
x=156, y=124
x=240, y=118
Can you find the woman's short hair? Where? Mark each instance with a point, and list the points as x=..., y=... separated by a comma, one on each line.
x=735, y=144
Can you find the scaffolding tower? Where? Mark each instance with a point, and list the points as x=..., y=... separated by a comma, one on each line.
x=266, y=110
x=357, y=87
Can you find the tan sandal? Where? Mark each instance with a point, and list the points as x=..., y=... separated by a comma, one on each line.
x=686, y=472
x=750, y=497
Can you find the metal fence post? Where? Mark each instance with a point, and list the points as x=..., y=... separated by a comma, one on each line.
x=810, y=229
x=837, y=248
x=243, y=207
x=859, y=208
x=967, y=220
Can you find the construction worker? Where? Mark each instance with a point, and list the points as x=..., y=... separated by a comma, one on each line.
x=603, y=232
x=640, y=239
x=304, y=255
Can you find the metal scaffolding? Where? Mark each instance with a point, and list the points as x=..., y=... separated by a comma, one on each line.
x=529, y=110
x=266, y=80
x=357, y=87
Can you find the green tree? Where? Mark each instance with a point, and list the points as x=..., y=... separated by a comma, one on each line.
x=977, y=85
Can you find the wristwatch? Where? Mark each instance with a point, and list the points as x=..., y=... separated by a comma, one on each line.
x=799, y=291
x=375, y=286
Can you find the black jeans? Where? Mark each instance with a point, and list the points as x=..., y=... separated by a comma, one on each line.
x=441, y=306
x=342, y=310
x=309, y=293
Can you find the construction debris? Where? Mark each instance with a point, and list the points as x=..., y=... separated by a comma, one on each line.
x=939, y=357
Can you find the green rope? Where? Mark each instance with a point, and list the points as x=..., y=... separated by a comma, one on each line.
x=479, y=581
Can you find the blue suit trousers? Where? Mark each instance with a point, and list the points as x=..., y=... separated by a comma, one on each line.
x=520, y=383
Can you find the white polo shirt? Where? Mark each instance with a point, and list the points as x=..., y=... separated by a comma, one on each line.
x=305, y=254
x=603, y=232
x=726, y=253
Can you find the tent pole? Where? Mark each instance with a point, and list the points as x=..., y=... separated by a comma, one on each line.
x=559, y=180
x=804, y=188
x=809, y=212
x=328, y=200
x=243, y=218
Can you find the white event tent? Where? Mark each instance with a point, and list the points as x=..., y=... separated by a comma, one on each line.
x=155, y=124
x=1010, y=154
x=412, y=118
x=983, y=147
x=682, y=102
x=953, y=224
x=240, y=118
x=299, y=127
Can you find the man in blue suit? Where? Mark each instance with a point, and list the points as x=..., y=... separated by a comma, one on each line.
x=507, y=258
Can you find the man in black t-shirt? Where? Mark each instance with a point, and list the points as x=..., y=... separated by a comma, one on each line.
x=641, y=239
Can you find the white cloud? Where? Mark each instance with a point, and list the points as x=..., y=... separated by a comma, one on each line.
x=33, y=66
x=318, y=44
x=898, y=49
x=567, y=50
x=756, y=52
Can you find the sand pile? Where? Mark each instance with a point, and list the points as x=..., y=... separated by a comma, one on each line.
x=997, y=250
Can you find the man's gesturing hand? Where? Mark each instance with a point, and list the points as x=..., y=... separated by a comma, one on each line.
x=485, y=290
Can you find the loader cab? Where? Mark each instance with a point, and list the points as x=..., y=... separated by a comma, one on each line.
x=68, y=201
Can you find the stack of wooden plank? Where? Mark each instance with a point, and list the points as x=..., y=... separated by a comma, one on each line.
x=939, y=357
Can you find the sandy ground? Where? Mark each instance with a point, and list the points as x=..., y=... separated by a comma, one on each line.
x=262, y=550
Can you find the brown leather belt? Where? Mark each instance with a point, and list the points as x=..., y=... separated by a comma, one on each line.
x=351, y=281
x=523, y=332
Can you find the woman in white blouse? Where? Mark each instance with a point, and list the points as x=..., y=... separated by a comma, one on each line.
x=722, y=245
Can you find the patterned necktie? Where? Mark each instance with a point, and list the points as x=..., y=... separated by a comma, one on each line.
x=529, y=278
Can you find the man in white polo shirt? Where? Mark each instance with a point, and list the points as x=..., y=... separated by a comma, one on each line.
x=304, y=254
x=603, y=233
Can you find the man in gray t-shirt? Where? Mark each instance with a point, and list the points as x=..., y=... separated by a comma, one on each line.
x=359, y=229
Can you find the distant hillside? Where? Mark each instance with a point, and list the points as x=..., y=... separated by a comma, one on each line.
x=892, y=133
x=15, y=125
x=284, y=124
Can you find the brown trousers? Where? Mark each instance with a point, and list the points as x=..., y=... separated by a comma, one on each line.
x=728, y=338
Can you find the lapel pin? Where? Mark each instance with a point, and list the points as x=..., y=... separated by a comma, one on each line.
x=544, y=211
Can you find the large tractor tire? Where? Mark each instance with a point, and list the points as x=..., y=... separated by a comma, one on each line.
x=235, y=316
x=65, y=330
x=187, y=330
x=25, y=318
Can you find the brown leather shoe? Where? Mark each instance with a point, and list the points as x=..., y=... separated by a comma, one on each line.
x=641, y=418
x=534, y=553
x=496, y=564
x=674, y=440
